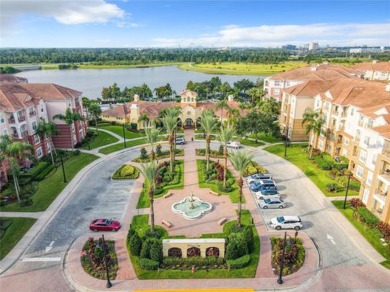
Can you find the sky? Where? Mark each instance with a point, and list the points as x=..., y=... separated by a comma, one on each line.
x=187, y=23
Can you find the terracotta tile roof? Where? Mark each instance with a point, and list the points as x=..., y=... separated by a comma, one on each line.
x=309, y=88
x=371, y=66
x=117, y=111
x=189, y=91
x=318, y=72
x=14, y=97
x=11, y=79
x=382, y=130
x=51, y=91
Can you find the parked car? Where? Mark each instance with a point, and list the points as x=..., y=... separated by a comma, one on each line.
x=272, y=203
x=262, y=194
x=286, y=222
x=258, y=176
x=180, y=141
x=104, y=225
x=256, y=187
x=233, y=144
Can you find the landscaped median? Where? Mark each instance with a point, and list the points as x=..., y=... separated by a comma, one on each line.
x=241, y=258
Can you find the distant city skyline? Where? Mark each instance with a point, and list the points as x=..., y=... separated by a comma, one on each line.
x=187, y=23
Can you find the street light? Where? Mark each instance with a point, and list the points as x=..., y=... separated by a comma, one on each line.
x=280, y=280
x=346, y=190
x=124, y=135
x=285, y=141
x=108, y=285
x=63, y=168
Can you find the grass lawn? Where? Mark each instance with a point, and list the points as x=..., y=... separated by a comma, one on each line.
x=251, y=143
x=266, y=138
x=297, y=155
x=233, y=195
x=143, y=201
x=51, y=187
x=372, y=235
x=100, y=140
x=120, y=146
x=140, y=223
x=235, y=68
x=14, y=233
x=119, y=131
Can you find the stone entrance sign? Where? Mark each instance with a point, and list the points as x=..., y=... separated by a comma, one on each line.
x=194, y=247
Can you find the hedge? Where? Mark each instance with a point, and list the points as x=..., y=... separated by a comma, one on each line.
x=148, y=264
x=368, y=217
x=239, y=263
x=193, y=261
x=126, y=171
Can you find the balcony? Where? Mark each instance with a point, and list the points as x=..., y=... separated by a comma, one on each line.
x=11, y=121
x=33, y=114
x=384, y=176
x=22, y=119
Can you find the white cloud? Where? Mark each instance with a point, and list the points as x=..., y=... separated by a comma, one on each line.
x=277, y=35
x=67, y=12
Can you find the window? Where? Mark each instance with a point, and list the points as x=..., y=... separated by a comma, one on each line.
x=373, y=161
x=365, y=195
x=366, y=140
x=321, y=144
x=352, y=111
x=369, y=178
x=363, y=156
x=5, y=132
x=34, y=125
x=2, y=118
x=36, y=139
x=370, y=123
x=39, y=152
x=359, y=172
x=346, y=141
x=276, y=83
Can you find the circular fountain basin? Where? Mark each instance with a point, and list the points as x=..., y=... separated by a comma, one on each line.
x=191, y=208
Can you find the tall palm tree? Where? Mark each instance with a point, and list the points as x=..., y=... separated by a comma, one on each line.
x=170, y=124
x=222, y=105
x=313, y=121
x=95, y=111
x=240, y=160
x=151, y=136
x=208, y=122
x=13, y=151
x=149, y=171
x=69, y=118
x=47, y=129
x=143, y=118
x=226, y=134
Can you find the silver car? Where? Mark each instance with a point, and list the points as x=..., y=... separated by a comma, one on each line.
x=272, y=203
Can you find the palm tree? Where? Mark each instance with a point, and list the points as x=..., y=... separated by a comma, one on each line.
x=221, y=105
x=95, y=111
x=208, y=122
x=149, y=171
x=225, y=135
x=47, y=130
x=240, y=160
x=314, y=122
x=170, y=124
x=69, y=118
x=151, y=138
x=13, y=151
x=143, y=118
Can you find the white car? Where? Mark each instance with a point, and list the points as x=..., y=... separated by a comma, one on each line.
x=286, y=222
x=261, y=195
x=233, y=144
x=272, y=203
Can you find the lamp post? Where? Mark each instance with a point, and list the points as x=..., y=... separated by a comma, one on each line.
x=346, y=190
x=285, y=141
x=124, y=135
x=280, y=280
x=63, y=168
x=108, y=285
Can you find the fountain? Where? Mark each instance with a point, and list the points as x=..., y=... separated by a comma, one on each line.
x=191, y=207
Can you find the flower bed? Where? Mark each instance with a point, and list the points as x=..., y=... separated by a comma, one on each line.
x=294, y=255
x=126, y=171
x=92, y=258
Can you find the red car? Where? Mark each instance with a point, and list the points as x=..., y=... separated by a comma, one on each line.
x=104, y=225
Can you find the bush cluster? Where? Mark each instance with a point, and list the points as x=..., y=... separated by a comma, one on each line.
x=239, y=263
x=368, y=218
x=253, y=167
x=356, y=202
x=384, y=228
x=294, y=256
x=126, y=171
x=333, y=187
x=322, y=163
x=170, y=262
x=213, y=153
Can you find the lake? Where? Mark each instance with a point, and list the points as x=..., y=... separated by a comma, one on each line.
x=91, y=81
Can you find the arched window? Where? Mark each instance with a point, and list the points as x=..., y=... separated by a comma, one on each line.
x=212, y=252
x=174, y=252
x=193, y=252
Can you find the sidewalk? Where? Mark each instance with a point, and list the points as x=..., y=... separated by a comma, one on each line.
x=126, y=279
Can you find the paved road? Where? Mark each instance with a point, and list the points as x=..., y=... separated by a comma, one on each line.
x=344, y=266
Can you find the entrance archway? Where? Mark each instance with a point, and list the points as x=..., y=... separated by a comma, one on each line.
x=188, y=123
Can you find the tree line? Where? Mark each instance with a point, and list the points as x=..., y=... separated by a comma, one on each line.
x=210, y=89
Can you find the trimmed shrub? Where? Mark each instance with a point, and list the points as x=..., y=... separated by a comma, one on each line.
x=249, y=237
x=146, y=246
x=156, y=253
x=239, y=263
x=253, y=167
x=26, y=202
x=126, y=171
x=237, y=247
x=148, y=264
x=354, y=185
x=356, y=202
x=135, y=244
x=369, y=218
x=333, y=187
x=157, y=233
